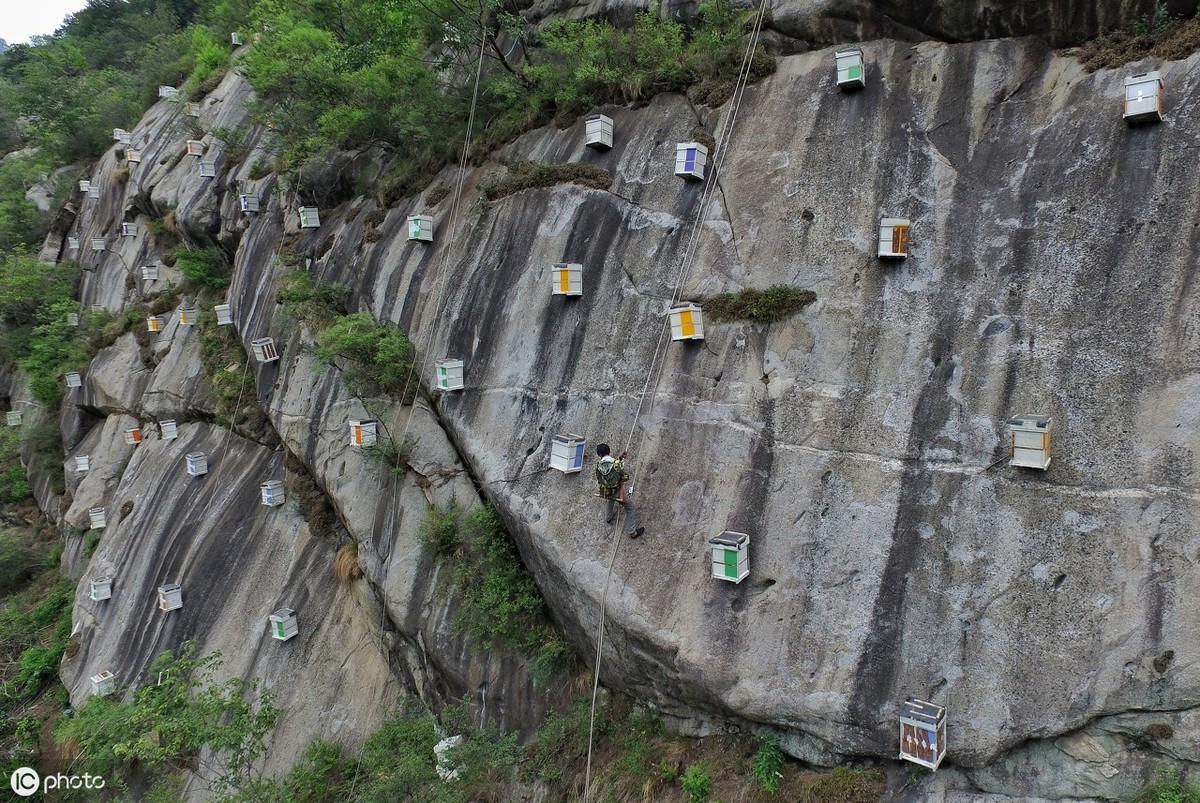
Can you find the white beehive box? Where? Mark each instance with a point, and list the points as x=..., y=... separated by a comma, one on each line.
x=73, y=243
x=188, y=316
x=101, y=588
x=150, y=273
x=449, y=373
x=13, y=418
x=96, y=518
x=420, y=227
x=566, y=453
x=104, y=684
x=154, y=323
x=687, y=322
x=129, y=230
x=72, y=319
x=283, y=624
x=168, y=92
x=83, y=463
x=133, y=436
x=195, y=147
x=168, y=429
x=120, y=135
x=850, y=71
x=249, y=203
x=730, y=556
x=235, y=39
x=264, y=349
x=191, y=109
x=272, y=493
x=97, y=243
x=598, y=132
x=310, y=218
x=74, y=380
x=1144, y=98
x=84, y=185
x=96, y=309
x=170, y=597
x=363, y=433
x=893, y=238
x=133, y=156
x=1030, y=441
x=197, y=464
x=224, y=314
x=567, y=279
x=922, y=733
x=94, y=192
x=691, y=158
x=208, y=169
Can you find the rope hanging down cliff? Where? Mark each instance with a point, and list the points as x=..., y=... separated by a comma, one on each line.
x=655, y=369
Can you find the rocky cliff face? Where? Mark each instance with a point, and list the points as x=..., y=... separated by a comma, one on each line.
x=861, y=442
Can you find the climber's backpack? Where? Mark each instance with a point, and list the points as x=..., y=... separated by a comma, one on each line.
x=610, y=482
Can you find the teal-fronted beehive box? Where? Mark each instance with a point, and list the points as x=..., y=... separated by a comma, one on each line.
x=598, y=132
x=850, y=75
x=169, y=429
x=249, y=203
x=1144, y=98
x=103, y=684
x=264, y=349
x=687, y=322
x=691, y=159
x=893, y=238
x=730, y=556
x=224, y=314
x=420, y=227
x=96, y=518
x=170, y=597
x=13, y=418
x=101, y=589
x=1030, y=435
x=195, y=147
x=272, y=493
x=566, y=453
x=567, y=279
x=922, y=733
x=283, y=624
x=310, y=217
x=362, y=433
x=197, y=464
x=449, y=374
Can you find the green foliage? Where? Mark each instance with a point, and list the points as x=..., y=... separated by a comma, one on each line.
x=767, y=762
x=760, y=306
x=1168, y=789
x=374, y=357
x=315, y=304
x=22, y=225
x=33, y=634
x=17, y=562
x=439, y=530
x=528, y=175
x=231, y=381
x=696, y=783
x=171, y=721
x=206, y=268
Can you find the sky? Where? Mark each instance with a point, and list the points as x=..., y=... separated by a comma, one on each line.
x=21, y=19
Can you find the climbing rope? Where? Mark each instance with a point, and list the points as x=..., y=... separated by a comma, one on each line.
x=655, y=369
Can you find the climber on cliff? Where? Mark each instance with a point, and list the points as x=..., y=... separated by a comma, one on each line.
x=611, y=477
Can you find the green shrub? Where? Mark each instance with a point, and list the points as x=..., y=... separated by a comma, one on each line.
x=439, y=530
x=767, y=762
x=696, y=783
x=375, y=357
x=315, y=304
x=760, y=306
x=14, y=487
x=1168, y=789
x=205, y=268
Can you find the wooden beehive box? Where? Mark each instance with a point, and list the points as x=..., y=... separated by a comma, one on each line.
x=249, y=203
x=567, y=279
x=598, y=132
x=129, y=230
x=150, y=273
x=922, y=733
x=97, y=243
x=188, y=316
x=74, y=380
x=104, y=684
x=283, y=624
x=195, y=147
x=73, y=243
x=691, y=159
x=687, y=322
x=208, y=169
x=83, y=462
x=13, y=418
x=449, y=373
x=893, y=238
x=154, y=323
x=566, y=453
x=84, y=185
x=72, y=319
x=133, y=156
x=730, y=556
x=94, y=192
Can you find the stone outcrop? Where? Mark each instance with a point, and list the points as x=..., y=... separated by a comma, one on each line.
x=860, y=442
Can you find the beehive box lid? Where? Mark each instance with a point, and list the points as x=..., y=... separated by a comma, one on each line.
x=282, y=614
x=922, y=711
x=1142, y=78
x=730, y=538
x=568, y=438
x=1030, y=420
x=169, y=588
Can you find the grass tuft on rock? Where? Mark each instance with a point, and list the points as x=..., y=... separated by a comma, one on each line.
x=532, y=175
x=760, y=306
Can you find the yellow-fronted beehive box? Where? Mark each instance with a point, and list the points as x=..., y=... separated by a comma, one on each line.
x=893, y=238
x=568, y=279
x=362, y=433
x=687, y=322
